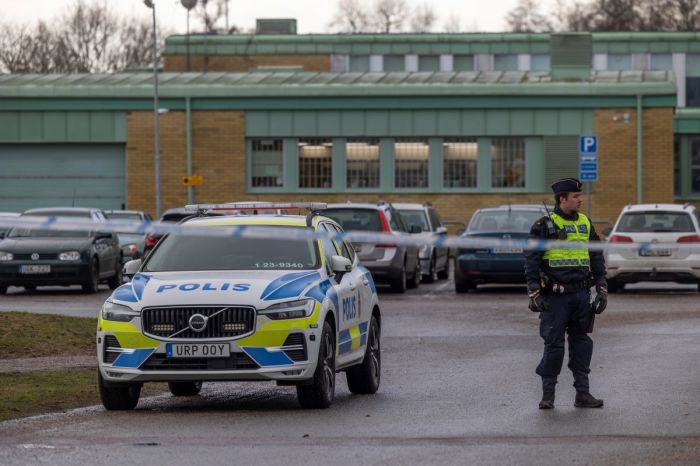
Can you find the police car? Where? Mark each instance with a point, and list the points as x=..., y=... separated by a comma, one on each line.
x=293, y=309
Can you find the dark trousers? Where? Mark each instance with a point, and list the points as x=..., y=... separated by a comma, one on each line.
x=570, y=313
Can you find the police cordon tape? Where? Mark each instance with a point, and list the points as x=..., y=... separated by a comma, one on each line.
x=53, y=223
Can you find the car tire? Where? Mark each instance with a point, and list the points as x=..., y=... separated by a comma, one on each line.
x=416, y=277
x=3, y=289
x=115, y=281
x=123, y=397
x=185, y=388
x=364, y=378
x=615, y=287
x=432, y=271
x=93, y=284
x=30, y=288
x=444, y=274
x=464, y=286
x=319, y=393
x=398, y=285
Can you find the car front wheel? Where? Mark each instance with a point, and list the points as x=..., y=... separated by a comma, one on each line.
x=118, y=397
x=115, y=281
x=319, y=393
x=398, y=285
x=92, y=284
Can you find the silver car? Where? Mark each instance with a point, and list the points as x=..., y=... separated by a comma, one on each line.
x=435, y=264
x=660, y=225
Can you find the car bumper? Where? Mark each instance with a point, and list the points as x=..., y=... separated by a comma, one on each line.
x=629, y=271
x=61, y=274
x=503, y=268
x=256, y=357
x=388, y=267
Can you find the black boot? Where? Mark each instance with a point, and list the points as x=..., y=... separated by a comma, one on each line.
x=547, y=400
x=586, y=400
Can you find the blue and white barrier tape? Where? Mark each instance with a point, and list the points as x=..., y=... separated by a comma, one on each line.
x=272, y=232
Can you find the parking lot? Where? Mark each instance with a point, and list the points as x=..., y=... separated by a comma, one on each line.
x=458, y=385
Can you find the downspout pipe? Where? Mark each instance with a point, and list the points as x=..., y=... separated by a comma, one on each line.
x=188, y=137
x=640, y=152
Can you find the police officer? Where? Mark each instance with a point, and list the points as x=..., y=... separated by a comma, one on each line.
x=559, y=283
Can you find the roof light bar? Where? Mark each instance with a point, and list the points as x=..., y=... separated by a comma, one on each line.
x=258, y=206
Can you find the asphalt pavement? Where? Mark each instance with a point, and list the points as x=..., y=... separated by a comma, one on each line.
x=458, y=386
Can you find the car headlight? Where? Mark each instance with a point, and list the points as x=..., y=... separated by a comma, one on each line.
x=117, y=312
x=69, y=256
x=290, y=310
x=6, y=256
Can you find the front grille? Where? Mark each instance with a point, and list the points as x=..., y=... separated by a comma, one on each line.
x=160, y=362
x=43, y=256
x=110, y=343
x=166, y=321
x=296, y=339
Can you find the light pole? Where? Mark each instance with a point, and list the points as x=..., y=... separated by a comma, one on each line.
x=188, y=4
x=151, y=4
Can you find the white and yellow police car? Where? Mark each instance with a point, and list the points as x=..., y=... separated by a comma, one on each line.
x=292, y=309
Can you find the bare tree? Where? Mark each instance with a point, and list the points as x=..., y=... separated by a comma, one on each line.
x=526, y=17
x=390, y=15
x=453, y=23
x=15, y=44
x=423, y=18
x=351, y=17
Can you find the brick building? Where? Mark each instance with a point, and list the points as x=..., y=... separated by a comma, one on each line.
x=463, y=121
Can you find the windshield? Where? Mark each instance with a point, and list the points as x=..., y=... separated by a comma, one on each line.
x=656, y=222
x=513, y=221
x=28, y=233
x=415, y=217
x=355, y=219
x=194, y=253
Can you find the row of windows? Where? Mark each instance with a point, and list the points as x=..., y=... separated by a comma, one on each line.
x=689, y=173
x=410, y=161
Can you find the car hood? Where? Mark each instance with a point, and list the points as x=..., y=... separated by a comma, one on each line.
x=258, y=289
x=46, y=245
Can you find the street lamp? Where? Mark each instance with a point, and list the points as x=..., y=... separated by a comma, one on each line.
x=151, y=4
x=188, y=4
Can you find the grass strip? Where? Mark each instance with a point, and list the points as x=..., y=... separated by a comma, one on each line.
x=26, y=335
x=29, y=393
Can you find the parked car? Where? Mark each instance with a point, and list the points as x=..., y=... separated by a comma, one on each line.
x=6, y=215
x=175, y=215
x=435, y=263
x=501, y=264
x=393, y=264
x=661, y=225
x=133, y=245
x=32, y=257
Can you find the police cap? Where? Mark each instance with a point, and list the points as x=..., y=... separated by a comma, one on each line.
x=566, y=185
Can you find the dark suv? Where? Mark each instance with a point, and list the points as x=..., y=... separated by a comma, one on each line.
x=36, y=257
x=496, y=264
x=394, y=264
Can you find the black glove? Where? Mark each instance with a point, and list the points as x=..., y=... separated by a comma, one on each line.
x=601, y=299
x=537, y=301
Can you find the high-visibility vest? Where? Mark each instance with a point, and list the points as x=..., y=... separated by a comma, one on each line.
x=577, y=231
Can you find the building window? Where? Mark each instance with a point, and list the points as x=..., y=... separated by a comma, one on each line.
x=695, y=166
x=539, y=62
x=505, y=62
x=660, y=61
x=463, y=63
x=394, y=63
x=677, y=165
x=619, y=61
x=266, y=163
x=411, y=163
x=508, y=162
x=692, y=80
x=362, y=163
x=359, y=63
x=315, y=163
x=459, y=163
x=429, y=63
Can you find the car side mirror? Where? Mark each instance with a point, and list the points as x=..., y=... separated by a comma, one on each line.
x=415, y=229
x=441, y=231
x=340, y=264
x=607, y=231
x=131, y=268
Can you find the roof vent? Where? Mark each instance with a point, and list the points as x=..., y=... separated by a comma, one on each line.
x=276, y=26
x=571, y=56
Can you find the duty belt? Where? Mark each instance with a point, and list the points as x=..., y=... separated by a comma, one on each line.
x=564, y=288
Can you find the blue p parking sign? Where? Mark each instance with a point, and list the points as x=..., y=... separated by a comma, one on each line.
x=587, y=145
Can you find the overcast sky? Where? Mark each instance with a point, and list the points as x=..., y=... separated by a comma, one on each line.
x=312, y=16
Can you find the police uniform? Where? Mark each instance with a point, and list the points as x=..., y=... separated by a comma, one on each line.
x=559, y=282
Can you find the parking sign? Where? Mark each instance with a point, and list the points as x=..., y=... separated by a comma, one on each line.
x=587, y=145
x=588, y=158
